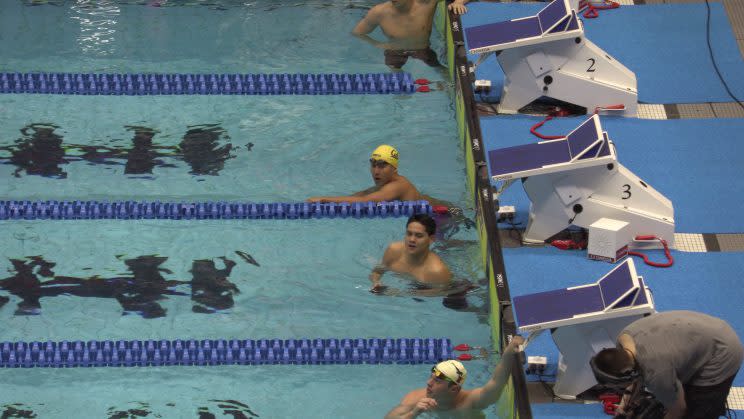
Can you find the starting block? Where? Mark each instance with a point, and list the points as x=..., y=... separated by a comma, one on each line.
x=547, y=55
x=577, y=180
x=584, y=320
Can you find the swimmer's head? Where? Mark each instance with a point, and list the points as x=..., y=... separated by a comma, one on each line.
x=451, y=371
x=385, y=153
x=420, y=230
x=425, y=220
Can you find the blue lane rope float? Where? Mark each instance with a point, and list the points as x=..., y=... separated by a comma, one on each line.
x=130, y=353
x=127, y=210
x=206, y=84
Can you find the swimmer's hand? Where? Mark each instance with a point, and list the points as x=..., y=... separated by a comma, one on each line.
x=458, y=7
x=424, y=405
x=378, y=288
x=386, y=291
x=516, y=345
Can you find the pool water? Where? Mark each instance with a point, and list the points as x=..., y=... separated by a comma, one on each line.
x=209, y=279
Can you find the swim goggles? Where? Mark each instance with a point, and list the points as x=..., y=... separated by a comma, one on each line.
x=440, y=375
x=378, y=163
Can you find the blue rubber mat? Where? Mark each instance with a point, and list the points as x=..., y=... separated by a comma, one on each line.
x=695, y=163
x=654, y=41
x=705, y=282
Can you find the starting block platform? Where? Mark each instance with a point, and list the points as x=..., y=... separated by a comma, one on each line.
x=577, y=180
x=555, y=21
x=547, y=55
x=585, y=146
x=585, y=319
x=649, y=40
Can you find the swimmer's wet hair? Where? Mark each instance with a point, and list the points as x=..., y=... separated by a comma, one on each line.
x=425, y=220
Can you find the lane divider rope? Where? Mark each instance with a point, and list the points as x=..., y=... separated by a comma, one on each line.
x=206, y=84
x=130, y=353
x=127, y=210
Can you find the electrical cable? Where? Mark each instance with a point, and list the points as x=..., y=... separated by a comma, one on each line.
x=713, y=60
x=515, y=228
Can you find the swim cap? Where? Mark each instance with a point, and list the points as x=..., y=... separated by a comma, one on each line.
x=454, y=370
x=387, y=154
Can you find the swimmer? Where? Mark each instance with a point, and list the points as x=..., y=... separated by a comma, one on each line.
x=389, y=185
x=444, y=393
x=413, y=257
x=407, y=25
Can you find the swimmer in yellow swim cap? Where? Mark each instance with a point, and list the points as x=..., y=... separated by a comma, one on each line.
x=389, y=185
x=444, y=393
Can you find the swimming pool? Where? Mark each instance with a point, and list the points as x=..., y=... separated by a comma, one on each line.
x=151, y=279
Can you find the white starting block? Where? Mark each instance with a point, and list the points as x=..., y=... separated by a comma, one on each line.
x=548, y=55
x=584, y=320
x=577, y=180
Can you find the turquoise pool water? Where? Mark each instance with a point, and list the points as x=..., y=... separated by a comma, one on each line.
x=187, y=279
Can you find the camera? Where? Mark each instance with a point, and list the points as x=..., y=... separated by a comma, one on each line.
x=643, y=406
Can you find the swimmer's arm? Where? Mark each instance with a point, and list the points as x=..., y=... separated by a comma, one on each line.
x=368, y=24
x=390, y=192
x=366, y=191
x=482, y=397
x=339, y=199
x=376, y=275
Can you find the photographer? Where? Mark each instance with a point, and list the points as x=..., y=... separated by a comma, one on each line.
x=687, y=360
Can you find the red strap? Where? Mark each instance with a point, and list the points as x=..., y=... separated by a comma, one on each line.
x=610, y=402
x=609, y=398
x=619, y=107
x=423, y=89
x=610, y=408
x=421, y=81
x=670, y=259
x=591, y=11
x=440, y=209
x=568, y=244
x=534, y=132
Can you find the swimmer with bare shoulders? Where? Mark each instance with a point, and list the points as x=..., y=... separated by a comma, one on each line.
x=407, y=25
x=444, y=393
x=389, y=185
x=412, y=256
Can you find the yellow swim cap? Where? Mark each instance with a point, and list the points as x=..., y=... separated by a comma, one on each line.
x=387, y=154
x=454, y=370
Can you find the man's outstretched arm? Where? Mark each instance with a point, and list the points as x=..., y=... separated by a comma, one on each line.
x=390, y=192
x=482, y=397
